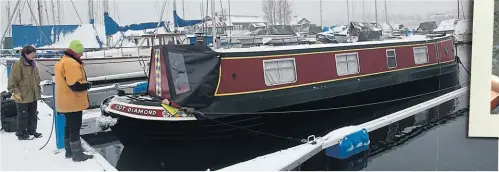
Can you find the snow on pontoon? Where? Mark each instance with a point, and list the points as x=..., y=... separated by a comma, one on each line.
x=229, y=85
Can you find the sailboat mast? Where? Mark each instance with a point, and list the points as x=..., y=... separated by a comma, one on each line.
x=458, y=6
x=386, y=18
x=10, y=23
x=348, y=13
x=462, y=10
x=376, y=10
x=19, y=14
x=214, y=26
x=183, y=9
x=53, y=12
x=363, y=10
x=8, y=15
x=40, y=13
x=320, y=5
x=90, y=10
x=386, y=14
x=353, y=10
x=175, y=27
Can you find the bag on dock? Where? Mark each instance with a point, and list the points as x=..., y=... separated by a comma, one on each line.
x=8, y=113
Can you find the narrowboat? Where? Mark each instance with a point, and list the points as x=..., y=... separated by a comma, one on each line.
x=229, y=87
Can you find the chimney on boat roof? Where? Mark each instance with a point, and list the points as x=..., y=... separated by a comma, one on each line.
x=199, y=38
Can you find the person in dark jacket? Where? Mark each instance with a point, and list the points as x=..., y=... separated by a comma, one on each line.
x=24, y=84
x=71, y=90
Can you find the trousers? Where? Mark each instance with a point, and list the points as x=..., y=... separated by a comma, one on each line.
x=27, y=117
x=73, y=126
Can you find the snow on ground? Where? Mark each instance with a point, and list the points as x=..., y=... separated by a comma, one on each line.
x=3, y=76
x=91, y=113
x=26, y=156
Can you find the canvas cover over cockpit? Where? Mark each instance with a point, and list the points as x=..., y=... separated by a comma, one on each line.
x=191, y=73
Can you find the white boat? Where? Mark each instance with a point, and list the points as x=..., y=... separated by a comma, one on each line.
x=464, y=31
x=447, y=26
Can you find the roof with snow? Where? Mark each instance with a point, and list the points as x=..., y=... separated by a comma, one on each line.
x=446, y=25
x=218, y=24
x=296, y=20
x=237, y=19
x=464, y=26
x=258, y=25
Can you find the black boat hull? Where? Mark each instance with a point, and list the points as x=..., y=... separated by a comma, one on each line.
x=151, y=133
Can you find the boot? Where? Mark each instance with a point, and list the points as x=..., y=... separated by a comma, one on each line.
x=22, y=136
x=35, y=134
x=67, y=147
x=77, y=151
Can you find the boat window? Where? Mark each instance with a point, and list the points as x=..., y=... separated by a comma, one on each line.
x=347, y=64
x=179, y=73
x=279, y=71
x=391, y=58
x=420, y=55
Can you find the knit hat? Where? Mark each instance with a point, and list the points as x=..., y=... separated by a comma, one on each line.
x=76, y=46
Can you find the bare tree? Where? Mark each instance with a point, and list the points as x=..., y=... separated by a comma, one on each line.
x=269, y=8
x=279, y=12
x=285, y=11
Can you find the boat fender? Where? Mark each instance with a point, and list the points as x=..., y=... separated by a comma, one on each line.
x=351, y=144
x=104, y=122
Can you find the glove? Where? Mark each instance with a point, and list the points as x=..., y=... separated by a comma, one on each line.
x=166, y=102
x=16, y=96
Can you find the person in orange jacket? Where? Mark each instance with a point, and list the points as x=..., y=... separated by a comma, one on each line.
x=71, y=90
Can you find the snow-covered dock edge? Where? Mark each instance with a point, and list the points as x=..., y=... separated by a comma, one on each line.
x=106, y=166
x=289, y=159
x=45, y=109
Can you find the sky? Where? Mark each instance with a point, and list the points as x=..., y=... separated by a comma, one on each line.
x=137, y=11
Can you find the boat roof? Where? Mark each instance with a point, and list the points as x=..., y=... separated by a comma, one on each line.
x=414, y=38
x=158, y=35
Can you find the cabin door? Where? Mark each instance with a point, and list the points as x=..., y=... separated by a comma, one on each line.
x=437, y=52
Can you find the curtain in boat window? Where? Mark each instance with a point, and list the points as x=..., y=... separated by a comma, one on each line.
x=391, y=58
x=353, y=64
x=280, y=71
x=421, y=55
x=347, y=64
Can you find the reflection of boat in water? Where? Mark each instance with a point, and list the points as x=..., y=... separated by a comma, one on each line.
x=231, y=85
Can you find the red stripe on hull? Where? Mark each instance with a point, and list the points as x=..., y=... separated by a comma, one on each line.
x=246, y=75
